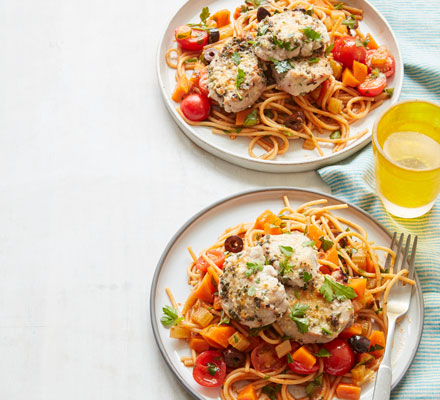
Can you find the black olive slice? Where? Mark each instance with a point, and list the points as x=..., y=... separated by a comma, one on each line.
x=262, y=13
x=234, y=244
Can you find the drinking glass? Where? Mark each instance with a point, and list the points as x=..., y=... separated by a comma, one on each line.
x=406, y=146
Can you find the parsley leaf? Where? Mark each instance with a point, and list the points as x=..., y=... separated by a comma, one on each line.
x=309, y=243
x=251, y=119
x=311, y=34
x=253, y=268
x=236, y=57
x=296, y=292
x=325, y=331
x=285, y=268
x=170, y=316
x=297, y=315
x=313, y=60
x=287, y=251
x=335, y=135
x=282, y=66
x=323, y=352
x=375, y=348
x=190, y=60
x=325, y=244
x=252, y=290
x=338, y=6
x=328, y=49
x=282, y=44
x=212, y=369
x=307, y=276
x=204, y=15
x=331, y=289
x=240, y=78
x=224, y=319
x=310, y=10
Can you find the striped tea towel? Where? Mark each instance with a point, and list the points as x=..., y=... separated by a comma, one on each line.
x=417, y=28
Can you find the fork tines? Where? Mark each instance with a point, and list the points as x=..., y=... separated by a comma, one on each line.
x=397, y=247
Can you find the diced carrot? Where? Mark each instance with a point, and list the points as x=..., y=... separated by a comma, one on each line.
x=248, y=393
x=206, y=288
x=360, y=71
x=272, y=229
x=182, y=88
x=218, y=335
x=377, y=338
x=370, y=265
x=304, y=356
x=198, y=344
x=315, y=233
x=372, y=45
x=237, y=12
x=222, y=17
x=241, y=116
x=355, y=329
x=348, y=78
x=265, y=217
x=194, y=79
x=358, y=285
x=216, y=305
x=347, y=391
x=332, y=256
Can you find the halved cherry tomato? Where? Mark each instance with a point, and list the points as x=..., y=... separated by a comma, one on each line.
x=347, y=49
x=341, y=358
x=264, y=358
x=190, y=39
x=216, y=256
x=203, y=81
x=196, y=107
x=387, y=64
x=373, y=85
x=210, y=369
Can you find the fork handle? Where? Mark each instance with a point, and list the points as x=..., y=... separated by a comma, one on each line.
x=383, y=383
x=382, y=388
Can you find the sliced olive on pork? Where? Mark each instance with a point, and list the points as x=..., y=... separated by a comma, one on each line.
x=262, y=13
x=210, y=54
x=234, y=244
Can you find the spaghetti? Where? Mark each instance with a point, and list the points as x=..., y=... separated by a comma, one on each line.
x=357, y=261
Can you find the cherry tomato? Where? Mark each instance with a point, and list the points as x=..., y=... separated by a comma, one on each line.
x=196, y=107
x=203, y=81
x=373, y=85
x=347, y=49
x=216, y=256
x=190, y=39
x=387, y=65
x=210, y=369
x=264, y=358
x=341, y=358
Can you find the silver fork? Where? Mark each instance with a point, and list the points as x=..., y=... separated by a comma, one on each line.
x=398, y=303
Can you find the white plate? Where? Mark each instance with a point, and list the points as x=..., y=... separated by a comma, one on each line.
x=203, y=229
x=296, y=159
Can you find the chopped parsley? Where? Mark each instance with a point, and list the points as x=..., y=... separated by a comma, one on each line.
x=313, y=60
x=204, y=15
x=285, y=267
x=170, y=316
x=296, y=293
x=350, y=22
x=375, y=348
x=323, y=352
x=282, y=66
x=289, y=358
x=389, y=92
x=212, y=369
x=239, y=80
x=311, y=34
x=328, y=49
x=326, y=244
x=190, y=60
x=310, y=10
x=263, y=30
x=335, y=135
x=314, y=384
x=338, y=6
x=331, y=289
x=236, y=57
x=309, y=243
x=252, y=290
x=325, y=331
x=297, y=315
x=224, y=319
x=253, y=268
x=282, y=44
x=271, y=391
x=287, y=251
x=253, y=3
x=251, y=119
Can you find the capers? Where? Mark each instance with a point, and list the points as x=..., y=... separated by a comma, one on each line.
x=209, y=54
x=234, y=244
x=295, y=121
x=360, y=344
x=262, y=13
x=234, y=358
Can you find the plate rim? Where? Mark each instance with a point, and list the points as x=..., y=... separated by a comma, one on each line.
x=273, y=165
x=191, y=220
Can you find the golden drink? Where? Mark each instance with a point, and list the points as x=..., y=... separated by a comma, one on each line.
x=406, y=144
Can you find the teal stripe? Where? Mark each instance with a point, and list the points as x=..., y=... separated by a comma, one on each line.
x=416, y=25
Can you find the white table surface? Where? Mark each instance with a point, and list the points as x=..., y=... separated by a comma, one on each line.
x=95, y=178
